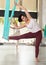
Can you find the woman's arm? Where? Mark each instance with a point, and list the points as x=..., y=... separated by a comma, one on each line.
x=21, y=26
x=26, y=12
x=18, y=27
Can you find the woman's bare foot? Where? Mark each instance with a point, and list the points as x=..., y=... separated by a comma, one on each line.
x=37, y=60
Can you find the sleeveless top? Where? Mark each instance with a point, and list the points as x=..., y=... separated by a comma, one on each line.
x=33, y=26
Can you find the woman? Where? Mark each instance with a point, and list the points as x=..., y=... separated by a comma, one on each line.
x=35, y=30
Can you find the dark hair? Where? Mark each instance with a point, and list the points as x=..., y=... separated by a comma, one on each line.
x=19, y=18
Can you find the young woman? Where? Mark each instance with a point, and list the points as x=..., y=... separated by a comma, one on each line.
x=35, y=30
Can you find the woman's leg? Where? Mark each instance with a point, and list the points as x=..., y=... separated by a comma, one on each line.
x=27, y=35
x=37, y=35
x=38, y=41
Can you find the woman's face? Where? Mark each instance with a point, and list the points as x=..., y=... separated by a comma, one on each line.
x=24, y=18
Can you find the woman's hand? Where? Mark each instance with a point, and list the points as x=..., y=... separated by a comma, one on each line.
x=23, y=8
x=15, y=3
x=12, y=27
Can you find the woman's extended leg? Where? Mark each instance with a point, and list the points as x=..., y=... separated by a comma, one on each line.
x=27, y=35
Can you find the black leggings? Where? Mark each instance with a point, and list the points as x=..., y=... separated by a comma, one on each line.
x=37, y=35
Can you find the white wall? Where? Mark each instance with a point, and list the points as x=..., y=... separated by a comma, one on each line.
x=2, y=4
x=29, y=5
x=43, y=13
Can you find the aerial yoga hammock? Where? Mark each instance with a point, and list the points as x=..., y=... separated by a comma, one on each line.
x=6, y=19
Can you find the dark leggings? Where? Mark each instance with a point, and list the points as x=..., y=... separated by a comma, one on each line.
x=37, y=35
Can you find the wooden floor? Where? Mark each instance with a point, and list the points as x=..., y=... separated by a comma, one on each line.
x=24, y=55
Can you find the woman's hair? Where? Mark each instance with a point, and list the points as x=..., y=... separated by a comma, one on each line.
x=19, y=18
